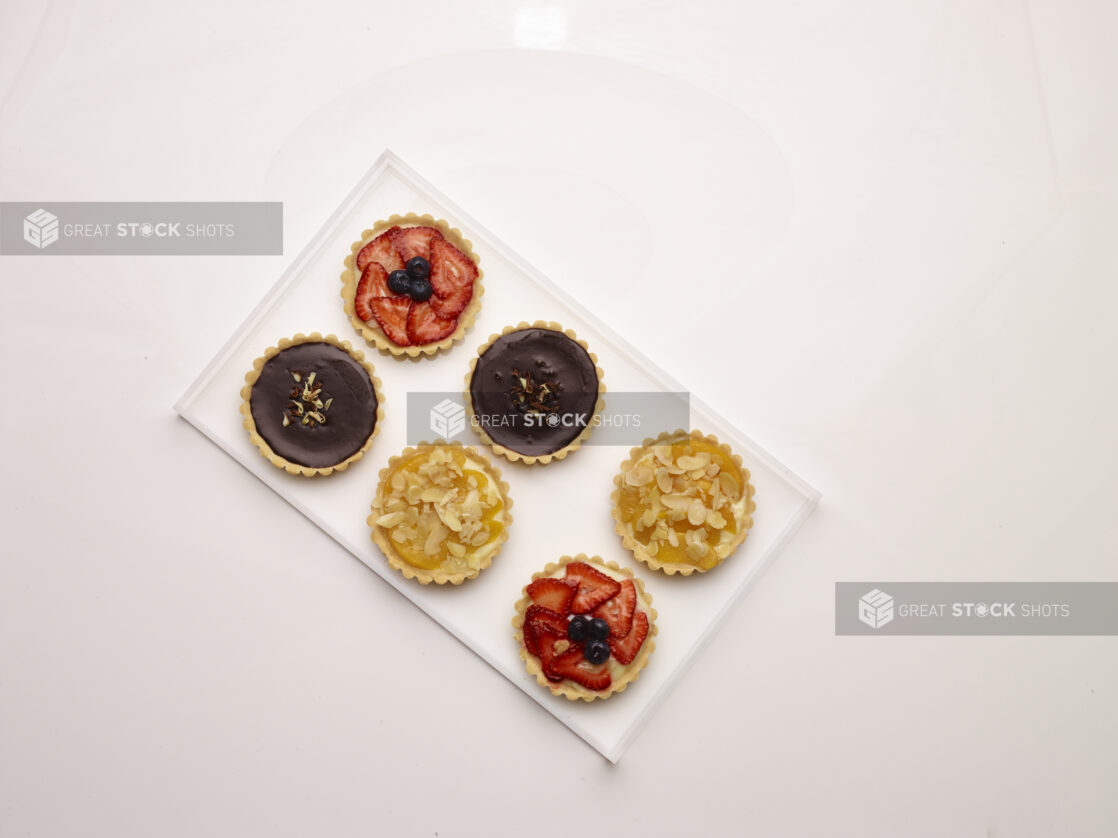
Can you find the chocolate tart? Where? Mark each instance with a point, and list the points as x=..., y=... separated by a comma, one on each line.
x=441, y=513
x=370, y=329
x=630, y=640
x=534, y=392
x=683, y=502
x=312, y=404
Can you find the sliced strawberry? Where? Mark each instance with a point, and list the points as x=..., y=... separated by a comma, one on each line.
x=373, y=283
x=450, y=268
x=547, y=654
x=424, y=326
x=553, y=594
x=594, y=587
x=618, y=611
x=537, y=637
x=544, y=619
x=392, y=316
x=571, y=664
x=454, y=304
x=380, y=250
x=410, y=242
x=626, y=648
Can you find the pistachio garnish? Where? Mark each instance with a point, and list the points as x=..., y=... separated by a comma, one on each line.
x=529, y=396
x=306, y=406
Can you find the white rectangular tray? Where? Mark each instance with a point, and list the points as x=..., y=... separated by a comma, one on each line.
x=307, y=299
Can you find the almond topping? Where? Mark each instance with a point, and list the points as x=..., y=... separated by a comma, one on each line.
x=690, y=463
x=676, y=501
x=390, y=520
x=447, y=516
x=663, y=480
x=716, y=520
x=696, y=512
x=639, y=476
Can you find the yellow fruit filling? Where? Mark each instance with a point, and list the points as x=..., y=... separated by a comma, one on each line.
x=684, y=499
x=441, y=509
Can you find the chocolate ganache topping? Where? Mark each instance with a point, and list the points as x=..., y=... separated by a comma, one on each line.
x=314, y=404
x=534, y=390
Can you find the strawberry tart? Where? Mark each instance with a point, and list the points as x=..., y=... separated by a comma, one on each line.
x=585, y=627
x=412, y=285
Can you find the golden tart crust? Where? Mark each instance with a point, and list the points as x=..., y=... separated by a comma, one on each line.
x=683, y=502
x=425, y=493
x=371, y=331
x=622, y=675
x=516, y=456
x=253, y=375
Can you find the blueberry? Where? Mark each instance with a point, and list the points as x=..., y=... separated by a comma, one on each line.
x=420, y=290
x=598, y=630
x=596, y=651
x=577, y=628
x=399, y=282
x=418, y=267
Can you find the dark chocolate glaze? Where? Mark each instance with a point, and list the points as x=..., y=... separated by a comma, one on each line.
x=549, y=356
x=350, y=418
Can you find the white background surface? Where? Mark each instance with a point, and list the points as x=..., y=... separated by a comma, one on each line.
x=922, y=324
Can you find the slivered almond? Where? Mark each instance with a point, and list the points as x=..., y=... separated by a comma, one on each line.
x=447, y=516
x=435, y=539
x=715, y=519
x=455, y=549
x=675, y=501
x=696, y=550
x=639, y=476
x=663, y=480
x=390, y=520
x=690, y=463
x=696, y=513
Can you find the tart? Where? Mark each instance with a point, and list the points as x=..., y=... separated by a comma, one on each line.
x=412, y=285
x=312, y=404
x=534, y=392
x=441, y=513
x=682, y=502
x=585, y=627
